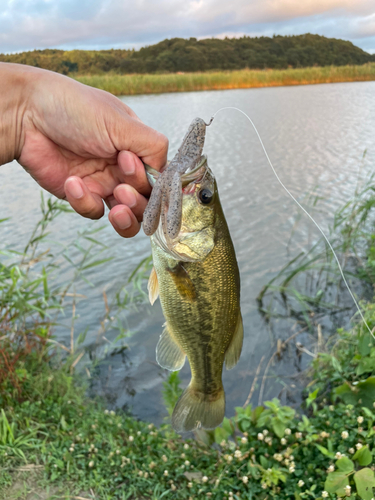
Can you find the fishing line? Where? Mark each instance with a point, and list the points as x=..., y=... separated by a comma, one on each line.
x=301, y=207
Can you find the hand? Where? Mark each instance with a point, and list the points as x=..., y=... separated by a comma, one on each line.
x=85, y=145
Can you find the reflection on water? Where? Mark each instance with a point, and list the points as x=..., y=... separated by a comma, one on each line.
x=314, y=135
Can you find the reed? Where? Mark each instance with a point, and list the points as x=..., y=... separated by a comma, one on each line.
x=186, y=82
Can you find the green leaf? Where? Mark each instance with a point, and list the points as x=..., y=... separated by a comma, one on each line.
x=344, y=464
x=363, y=455
x=325, y=451
x=336, y=482
x=364, y=391
x=263, y=462
x=227, y=425
x=278, y=427
x=365, y=343
x=364, y=481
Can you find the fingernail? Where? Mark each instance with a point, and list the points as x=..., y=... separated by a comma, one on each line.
x=122, y=219
x=129, y=167
x=74, y=188
x=131, y=200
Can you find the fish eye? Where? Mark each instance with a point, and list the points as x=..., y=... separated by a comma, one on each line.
x=205, y=196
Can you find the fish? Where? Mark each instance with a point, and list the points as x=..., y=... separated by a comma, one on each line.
x=195, y=274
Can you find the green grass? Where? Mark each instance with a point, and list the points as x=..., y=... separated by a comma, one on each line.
x=186, y=82
x=57, y=443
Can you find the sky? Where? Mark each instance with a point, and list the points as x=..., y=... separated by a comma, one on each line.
x=105, y=24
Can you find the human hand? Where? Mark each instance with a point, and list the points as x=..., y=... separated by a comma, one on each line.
x=85, y=145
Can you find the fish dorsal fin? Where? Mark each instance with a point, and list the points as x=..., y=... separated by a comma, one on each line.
x=169, y=354
x=235, y=347
x=153, y=286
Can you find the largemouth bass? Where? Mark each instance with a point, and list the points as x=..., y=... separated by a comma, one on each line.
x=196, y=276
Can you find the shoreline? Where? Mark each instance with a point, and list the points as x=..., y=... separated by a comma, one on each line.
x=137, y=84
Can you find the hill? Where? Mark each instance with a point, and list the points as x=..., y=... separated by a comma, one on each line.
x=192, y=55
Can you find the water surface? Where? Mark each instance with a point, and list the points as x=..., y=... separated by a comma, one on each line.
x=315, y=136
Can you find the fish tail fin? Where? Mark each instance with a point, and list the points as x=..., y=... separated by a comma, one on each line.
x=195, y=409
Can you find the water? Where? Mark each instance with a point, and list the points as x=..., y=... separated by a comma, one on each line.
x=315, y=137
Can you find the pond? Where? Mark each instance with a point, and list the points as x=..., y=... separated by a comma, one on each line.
x=315, y=135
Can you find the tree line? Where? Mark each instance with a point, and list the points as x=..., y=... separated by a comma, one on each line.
x=191, y=55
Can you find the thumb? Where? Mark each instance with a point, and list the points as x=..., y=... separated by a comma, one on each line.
x=131, y=134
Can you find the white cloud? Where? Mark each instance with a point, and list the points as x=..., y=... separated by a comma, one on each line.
x=25, y=25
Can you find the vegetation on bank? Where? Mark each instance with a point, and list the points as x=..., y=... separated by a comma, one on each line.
x=53, y=438
x=187, y=82
x=211, y=54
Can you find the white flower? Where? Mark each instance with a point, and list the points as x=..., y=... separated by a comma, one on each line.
x=183, y=455
x=112, y=413
x=264, y=486
x=283, y=441
x=331, y=468
x=298, y=435
x=131, y=439
x=173, y=487
x=244, y=440
x=190, y=485
x=265, y=432
x=91, y=464
x=118, y=452
x=187, y=463
x=338, y=455
x=348, y=490
x=139, y=433
x=150, y=426
x=260, y=436
x=278, y=457
x=165, y=473
x=291, y=469
x=345, y=434
x=351, y=451
x=164, y=458
x=373, y=404
x=238, y=454
x=71, y=449
x=140, y=473
x=359, y=446
x=268, y=440
x=300, y=483
x=245, y=479
x=186, y=446
x=359, y=420
x=204, y=479
x=331, y=408
x=106, y=412
x=229, y=458
x=288, y=432
x=325, y=494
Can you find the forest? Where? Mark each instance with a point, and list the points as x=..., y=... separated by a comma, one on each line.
x=192, y=55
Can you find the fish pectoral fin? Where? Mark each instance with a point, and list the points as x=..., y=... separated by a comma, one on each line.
x=233, y=352
x=153, y=286
x=183, y=283
x=169, y=354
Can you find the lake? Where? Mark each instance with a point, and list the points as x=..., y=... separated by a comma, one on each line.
x=315, y=135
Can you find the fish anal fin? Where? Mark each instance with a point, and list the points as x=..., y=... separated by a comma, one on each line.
x=153, y=286
x=169, y=354
x=183, y=283
x=233, y=352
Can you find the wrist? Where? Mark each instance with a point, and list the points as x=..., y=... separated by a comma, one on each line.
x=13, y=98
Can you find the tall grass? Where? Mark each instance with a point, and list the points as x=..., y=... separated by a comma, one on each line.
x=309, y=286
x=33, y=301
x=152, y=84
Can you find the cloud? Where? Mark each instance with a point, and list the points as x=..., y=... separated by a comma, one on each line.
x=25, y=25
